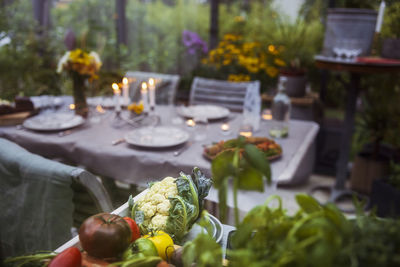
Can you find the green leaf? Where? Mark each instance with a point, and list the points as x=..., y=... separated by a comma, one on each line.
x=257, y=160
x=222, y=167
x=308, y=203
x=203, y=251
x=251, y=179
x=177, y=222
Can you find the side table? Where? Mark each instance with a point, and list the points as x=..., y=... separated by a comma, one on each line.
x=355, y=68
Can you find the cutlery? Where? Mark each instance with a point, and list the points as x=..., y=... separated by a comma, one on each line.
x=64, y=133
x=118, y=141
x=178, y=152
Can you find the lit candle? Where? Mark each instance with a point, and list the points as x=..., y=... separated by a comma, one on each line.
x=100, y=109
x=125, y=91
x=380, y=17
x=225, y=127
x=246, y=133
x=190, y=123
x=246, y=130
x=266, y=115
x=72, y=106
x=145, y=100
x=152, y=93
x=117, y=94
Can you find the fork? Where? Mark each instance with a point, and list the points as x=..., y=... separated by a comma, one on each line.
x=178, y=152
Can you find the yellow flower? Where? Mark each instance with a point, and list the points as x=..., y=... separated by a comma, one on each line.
x=271, y=48
x=137, y=108
x=238, y=19
x=79, y=61
x=279, y=62
x=238, y=78
x=272, y=71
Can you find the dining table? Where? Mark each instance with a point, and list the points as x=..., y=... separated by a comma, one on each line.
x=99, y=145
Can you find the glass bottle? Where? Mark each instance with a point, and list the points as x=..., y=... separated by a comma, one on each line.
x=280, y=110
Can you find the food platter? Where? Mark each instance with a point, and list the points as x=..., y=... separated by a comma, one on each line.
x=271, y=149
x=157, y=137
x=211, y=112
x=54, y=122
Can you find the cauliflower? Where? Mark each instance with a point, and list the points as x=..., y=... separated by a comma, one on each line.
x=155, y=204
x=172, y=205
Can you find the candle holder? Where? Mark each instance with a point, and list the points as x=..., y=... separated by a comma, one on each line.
x=225, y=129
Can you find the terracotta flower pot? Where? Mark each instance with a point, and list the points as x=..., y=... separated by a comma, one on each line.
x=295, y=83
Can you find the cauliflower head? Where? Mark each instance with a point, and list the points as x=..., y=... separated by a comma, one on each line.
x=155, y=204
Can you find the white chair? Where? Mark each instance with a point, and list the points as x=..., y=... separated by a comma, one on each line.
x=165, y=88
x=36, y=200
x=232, y=95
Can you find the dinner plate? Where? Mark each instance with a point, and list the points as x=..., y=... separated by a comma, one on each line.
x=211, y=112
x=156, y=137
x=53, y=122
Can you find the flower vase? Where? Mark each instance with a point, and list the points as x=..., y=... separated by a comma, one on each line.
x=81, y=107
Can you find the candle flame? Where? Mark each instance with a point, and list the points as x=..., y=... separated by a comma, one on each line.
x=115, y=87
x=71, y=106
x=125, y=81
x=100, y=109
x=246, y=134
x=151, y=81
x=144, y=86
x=190, y=123
x=225, y=127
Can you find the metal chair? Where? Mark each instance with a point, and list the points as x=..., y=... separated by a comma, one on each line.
x=36, y=200
x=232, y=95
x=166, y=86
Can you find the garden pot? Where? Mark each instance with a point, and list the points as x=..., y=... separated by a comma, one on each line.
x=295, y=83
x=368, y=167
x=349, y=24
x=386, y=199
x=391, y=48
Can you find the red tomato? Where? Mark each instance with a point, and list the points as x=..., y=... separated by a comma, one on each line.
x=71, y=257
x=105, y=235
x=134, y=228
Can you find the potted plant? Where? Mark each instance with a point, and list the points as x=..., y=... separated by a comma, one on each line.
x=297, y=43
x=385, y=195
x=350, y=21
x=377, y=128
x=391, y=31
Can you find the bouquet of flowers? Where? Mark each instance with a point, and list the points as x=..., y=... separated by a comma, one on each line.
x=80, y=62
x=81, y=66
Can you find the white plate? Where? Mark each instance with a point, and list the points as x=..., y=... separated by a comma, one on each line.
x=211, y=112
x=53, y=122
x=161, y=136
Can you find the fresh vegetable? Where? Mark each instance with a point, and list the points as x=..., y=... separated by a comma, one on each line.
x=105, y=235
x=176, y=258
x=172, y=205
x=268, y=146
x=204, y=251
x=150, y=261
x=315, y=236
x=134, y=228
x=71, y=257
x=38, y=259
x=142, y=247
x=163, y=264
x=163, y=243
